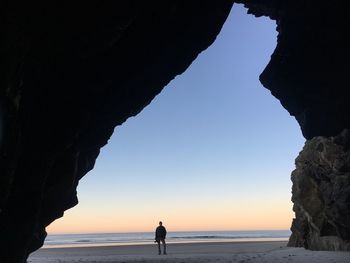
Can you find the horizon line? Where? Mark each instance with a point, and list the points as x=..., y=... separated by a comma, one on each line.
x=123, y=232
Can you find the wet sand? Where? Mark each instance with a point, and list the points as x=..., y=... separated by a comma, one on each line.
x=220, y=252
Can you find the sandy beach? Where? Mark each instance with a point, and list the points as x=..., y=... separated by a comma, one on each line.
x=220, y=252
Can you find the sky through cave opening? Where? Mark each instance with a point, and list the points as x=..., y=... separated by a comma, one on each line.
x=213, y=151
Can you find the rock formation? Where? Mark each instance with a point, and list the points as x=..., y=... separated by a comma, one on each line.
x=321, y=194
x=72, y=72
x=308, y=73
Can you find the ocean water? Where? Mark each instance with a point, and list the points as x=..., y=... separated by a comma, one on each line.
x=105, y=239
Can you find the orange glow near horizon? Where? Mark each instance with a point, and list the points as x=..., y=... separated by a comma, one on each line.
x=245, y=215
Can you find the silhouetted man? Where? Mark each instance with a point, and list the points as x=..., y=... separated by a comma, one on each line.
x=160, y=237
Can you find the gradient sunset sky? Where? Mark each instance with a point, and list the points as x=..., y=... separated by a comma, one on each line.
x=213, y=151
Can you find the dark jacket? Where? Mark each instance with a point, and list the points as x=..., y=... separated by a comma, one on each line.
x=160, y=232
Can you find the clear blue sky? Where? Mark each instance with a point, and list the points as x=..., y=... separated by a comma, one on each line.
x=214, y=141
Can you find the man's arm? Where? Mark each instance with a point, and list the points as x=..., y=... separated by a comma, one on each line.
x=155, y=233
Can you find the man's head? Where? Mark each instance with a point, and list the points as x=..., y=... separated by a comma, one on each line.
x=160, y=223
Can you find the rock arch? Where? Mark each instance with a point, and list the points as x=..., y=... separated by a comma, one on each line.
x=72, y=73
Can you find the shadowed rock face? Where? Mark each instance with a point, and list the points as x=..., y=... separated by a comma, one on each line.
x=308, y=73
x=309, y=68
x=73, y=72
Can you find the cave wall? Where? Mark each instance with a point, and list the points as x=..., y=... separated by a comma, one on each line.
x=72, y=72
x=308, y=72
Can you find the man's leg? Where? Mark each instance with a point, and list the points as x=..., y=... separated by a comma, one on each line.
x=159, y=251
x=164, y=246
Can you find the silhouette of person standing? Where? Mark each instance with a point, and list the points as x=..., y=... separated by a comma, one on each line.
x=160, y=237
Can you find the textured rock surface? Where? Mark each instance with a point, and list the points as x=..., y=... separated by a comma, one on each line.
x=321, y=194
